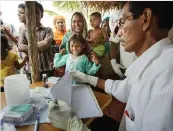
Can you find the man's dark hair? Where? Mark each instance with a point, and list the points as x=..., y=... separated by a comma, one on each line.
x=163, y=10
x=40, y=7
x=78, y=38
x=21, y=6
x=96, y=14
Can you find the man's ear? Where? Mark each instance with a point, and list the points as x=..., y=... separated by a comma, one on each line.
x=146, y=18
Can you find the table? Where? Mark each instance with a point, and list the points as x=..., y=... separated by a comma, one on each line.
x=103, y=100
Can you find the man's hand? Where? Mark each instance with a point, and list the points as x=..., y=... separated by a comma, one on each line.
x=81, y=77
x=115, y=39
x=116, y=67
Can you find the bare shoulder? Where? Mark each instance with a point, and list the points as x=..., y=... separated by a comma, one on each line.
x=91, y=30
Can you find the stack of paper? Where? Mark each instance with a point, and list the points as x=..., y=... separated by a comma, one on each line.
x=18, y=113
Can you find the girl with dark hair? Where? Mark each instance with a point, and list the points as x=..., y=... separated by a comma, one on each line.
x=77, y=59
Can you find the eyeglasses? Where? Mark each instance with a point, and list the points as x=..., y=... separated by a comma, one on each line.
x=121, y=21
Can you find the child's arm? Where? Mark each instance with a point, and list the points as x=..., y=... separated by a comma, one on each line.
x=60, y=59
x=20, y=65
x=92, y=67
x=105, y=36
x=88, y=39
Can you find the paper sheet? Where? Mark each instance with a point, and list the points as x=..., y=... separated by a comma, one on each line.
x=84, y=102
x=80, y=97
x=63, y=89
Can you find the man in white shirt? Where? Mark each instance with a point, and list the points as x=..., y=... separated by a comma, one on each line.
x=148, y=87
x=170, y=34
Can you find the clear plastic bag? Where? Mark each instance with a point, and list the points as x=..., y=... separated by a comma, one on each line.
x=59, y=113
x=75, y=124
x=62, y=116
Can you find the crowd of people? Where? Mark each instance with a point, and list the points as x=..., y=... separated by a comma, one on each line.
x=131, y=47
x=89, y=54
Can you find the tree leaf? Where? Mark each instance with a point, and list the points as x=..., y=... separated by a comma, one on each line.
x=51, y=13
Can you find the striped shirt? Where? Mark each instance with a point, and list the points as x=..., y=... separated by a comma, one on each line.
x=44, y=35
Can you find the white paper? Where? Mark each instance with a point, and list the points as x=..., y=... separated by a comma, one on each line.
x=80, y=97
x=63, y=89
x=84, y=102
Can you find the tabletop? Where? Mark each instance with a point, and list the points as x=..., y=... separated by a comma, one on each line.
x=103, y=100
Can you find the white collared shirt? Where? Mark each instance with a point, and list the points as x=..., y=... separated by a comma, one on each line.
x=148, y=90
x=126, y=58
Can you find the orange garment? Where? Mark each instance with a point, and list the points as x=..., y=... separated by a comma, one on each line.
x=58, y=34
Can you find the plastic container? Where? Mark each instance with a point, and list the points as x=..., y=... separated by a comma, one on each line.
x=17, y=89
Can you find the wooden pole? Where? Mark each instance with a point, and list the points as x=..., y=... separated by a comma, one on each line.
x=32, y=39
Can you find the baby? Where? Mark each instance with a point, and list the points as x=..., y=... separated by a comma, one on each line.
x=98, y=36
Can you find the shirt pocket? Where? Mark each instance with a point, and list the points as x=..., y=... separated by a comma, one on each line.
x=129, y=124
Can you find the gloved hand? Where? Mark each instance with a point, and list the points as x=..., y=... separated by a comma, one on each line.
x=59, y=114
x=75, y=124
x=115, y=39
x=81, y=77
x=116, y=67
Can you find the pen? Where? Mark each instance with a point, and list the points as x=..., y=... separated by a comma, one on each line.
x=36, y=123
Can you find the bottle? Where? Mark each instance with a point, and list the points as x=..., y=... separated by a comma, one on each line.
x=45, y=79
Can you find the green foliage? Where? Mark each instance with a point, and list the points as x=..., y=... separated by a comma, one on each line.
x=51, y=13
x=66, y=5
x=86, y=7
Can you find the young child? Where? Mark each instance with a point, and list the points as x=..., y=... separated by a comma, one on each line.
x=98, y=36
x=9, y=61
x=77, y=58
